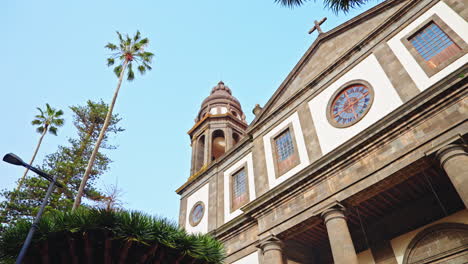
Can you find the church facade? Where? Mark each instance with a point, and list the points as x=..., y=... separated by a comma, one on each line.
x=360, y=156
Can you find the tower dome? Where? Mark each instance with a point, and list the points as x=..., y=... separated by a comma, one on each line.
x=219, y=102
x=220, y=125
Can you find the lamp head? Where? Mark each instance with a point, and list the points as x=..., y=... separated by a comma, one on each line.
x=13, y=159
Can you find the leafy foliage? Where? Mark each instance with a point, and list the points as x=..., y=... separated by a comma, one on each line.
x=142, y=235
x=69, y=163
x=130, y=50
x=335, y=5
x=49, y=120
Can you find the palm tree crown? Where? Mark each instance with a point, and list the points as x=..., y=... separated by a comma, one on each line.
x=49, y=120
x=334, y=5
x=130, y=50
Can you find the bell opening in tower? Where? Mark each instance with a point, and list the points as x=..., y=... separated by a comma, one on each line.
x=218, y=144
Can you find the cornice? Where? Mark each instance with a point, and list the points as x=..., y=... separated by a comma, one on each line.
x=401, y=119
x=247, y=139
x=228, y=115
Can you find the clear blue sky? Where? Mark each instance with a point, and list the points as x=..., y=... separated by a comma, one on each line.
x=53, y=53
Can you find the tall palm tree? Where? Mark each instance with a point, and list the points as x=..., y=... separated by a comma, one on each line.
x=128, y=52
x=335, y=5
x=47, y=121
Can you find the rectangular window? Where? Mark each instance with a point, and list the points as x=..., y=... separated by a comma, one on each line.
x=285, y=151
x=433, y=45
x=239, y=185
x=284, y=145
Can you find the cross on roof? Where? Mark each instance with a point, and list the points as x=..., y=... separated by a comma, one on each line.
x=317, y=26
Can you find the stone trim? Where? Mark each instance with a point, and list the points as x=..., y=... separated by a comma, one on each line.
x=448, y=31
x=396, y=73
x=296, y=157
x=341, y=89
x=195, y=223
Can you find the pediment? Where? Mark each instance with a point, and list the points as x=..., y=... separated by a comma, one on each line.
x=326, y=50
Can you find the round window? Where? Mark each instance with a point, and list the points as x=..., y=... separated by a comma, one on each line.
x=350, y=104
x=196, y=214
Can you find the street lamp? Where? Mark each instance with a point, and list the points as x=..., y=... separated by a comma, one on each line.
x=15, y=160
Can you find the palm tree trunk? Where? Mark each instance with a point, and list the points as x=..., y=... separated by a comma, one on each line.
x=99, y=140
x=31, y=162
x=13, y=195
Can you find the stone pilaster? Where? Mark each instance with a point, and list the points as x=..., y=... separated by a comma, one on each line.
x=272, y=250
x=207, y=158
x=194, y=155
x=338, y=234
x=453, y=159
x=228, y=138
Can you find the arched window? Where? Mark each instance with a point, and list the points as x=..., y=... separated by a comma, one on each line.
x=235, y=138
x=218, y=145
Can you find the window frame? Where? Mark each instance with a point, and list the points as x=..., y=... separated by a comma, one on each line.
x=276, y=161
x=448, y=31
x=330, y=118
x=231, y=187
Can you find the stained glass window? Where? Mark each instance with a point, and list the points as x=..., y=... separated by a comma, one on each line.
x=239, y=189
x=350, y=105
x=284, y=145
x=434, y=45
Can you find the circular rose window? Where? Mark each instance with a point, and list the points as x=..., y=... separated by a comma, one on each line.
x=350, y=104
x=196, y=214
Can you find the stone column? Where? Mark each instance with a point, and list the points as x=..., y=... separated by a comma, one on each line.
x=228, y=138
x=272, y=250
x=454, y=160
x=340, y=239
x=194, y=156
x=207, y=159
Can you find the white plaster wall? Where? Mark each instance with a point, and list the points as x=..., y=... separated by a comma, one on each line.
x=303, y=156
x=365, y=257
x=454, y=21
x=227, y=190
x=386, y=100
x=199, y=195
x=249, y=259
x=399, y=244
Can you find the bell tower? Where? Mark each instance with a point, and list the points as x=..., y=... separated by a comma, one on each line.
x=219, y=125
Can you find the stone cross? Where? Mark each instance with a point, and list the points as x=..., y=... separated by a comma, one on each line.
x=317, y=26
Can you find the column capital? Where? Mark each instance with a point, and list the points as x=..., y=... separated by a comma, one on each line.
x=270, y=243
x=449, y=151
x=334, y=212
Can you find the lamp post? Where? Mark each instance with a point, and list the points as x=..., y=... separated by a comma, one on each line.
x=15, y=160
